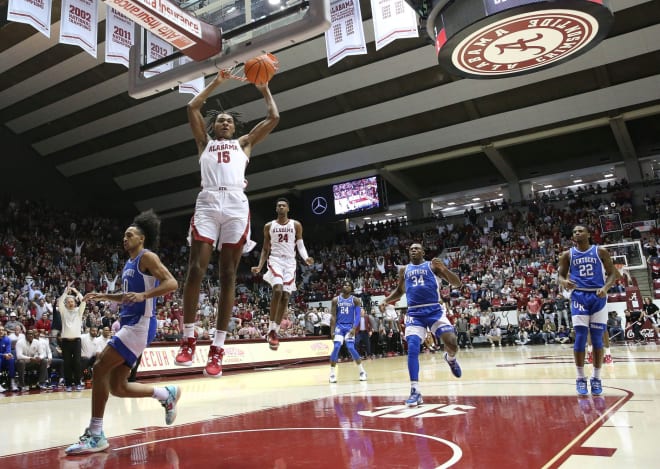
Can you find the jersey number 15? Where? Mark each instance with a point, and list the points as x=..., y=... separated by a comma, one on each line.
x=223, y=156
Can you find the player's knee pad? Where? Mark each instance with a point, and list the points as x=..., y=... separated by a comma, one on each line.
x=350, y=345
x=581, y=333
x=438, y=329
x=414, y=344
x=335, y=352
x=596, y=336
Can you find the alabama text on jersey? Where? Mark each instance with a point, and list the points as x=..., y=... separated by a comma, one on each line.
x=283, y=240
x=223, y=165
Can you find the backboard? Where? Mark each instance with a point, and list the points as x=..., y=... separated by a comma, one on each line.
x=249, y=28
x=629, y=254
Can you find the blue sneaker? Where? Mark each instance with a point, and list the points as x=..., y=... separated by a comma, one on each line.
x=581, y=386
x=169, y=404
x=88, y=444
x=454, y=366
x=596, y=386
x=415, y=399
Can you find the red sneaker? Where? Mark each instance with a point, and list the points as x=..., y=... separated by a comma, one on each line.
x=608, y=359
x=214, y=364
x=184, y=356
x=273, y=340
x=590, y=358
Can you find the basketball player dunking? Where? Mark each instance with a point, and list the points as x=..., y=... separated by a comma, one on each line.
x=221, y=218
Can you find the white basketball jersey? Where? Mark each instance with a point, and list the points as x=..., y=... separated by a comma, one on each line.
x=223, y=164
x=283, y=240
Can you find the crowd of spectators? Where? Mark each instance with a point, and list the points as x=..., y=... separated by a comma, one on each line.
x=506, y=256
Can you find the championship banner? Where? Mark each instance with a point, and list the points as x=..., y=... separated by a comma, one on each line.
x=393, y=19
x=195, y=38
x=79, y=24
x=36, y=13
x=345, y=36
x=157, y=48
x=118, y=37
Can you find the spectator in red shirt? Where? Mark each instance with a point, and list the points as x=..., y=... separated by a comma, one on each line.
x=534, y=306
x=44, y=323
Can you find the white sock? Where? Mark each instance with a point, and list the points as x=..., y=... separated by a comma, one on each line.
x=607, y=351
x=272, y=326
x=414, y=386
x=580, y=371
x=219, y=339
x=96, y=426
x=333, y=370
x=361, y=366
x=590, y=348
x=160, y=394
x=596, y=373
x=189, y=330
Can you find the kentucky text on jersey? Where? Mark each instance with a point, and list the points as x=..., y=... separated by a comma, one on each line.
x=422, y=286
x=415, y=272
x=345, y=310
x=586, y=269
x=585, y=260
x=135, y=281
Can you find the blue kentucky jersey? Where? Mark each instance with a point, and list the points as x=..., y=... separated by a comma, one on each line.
x=132, y=280
x=422, y=285
x=586, y=269
x=346, y=310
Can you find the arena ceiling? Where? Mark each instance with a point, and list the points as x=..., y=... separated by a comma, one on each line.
x=392, y=112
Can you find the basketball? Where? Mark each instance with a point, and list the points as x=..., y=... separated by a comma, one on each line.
x=260, y=70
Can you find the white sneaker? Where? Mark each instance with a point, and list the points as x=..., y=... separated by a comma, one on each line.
x=2, y=389
x=363, y=375
x=333, y=378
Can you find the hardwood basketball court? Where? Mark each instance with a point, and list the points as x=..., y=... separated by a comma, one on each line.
x=513, y=407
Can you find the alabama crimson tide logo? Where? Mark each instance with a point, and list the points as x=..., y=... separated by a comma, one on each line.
x=524, y=42
x=513, y=37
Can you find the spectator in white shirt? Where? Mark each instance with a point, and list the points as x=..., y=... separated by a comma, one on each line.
x=54, y=363
x=88, y=350
x=111, y=284
x=102, y=340
x=494, y=335
x=72, y=315
x=29, y=356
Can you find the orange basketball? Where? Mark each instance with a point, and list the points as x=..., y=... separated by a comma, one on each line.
x=260, y=70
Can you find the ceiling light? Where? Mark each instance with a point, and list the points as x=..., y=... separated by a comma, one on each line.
x=388, y=214
x=575, y=181
x=608, y=175
x=547, y=186
x=476, y=198
x=451, y=203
